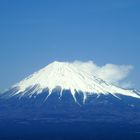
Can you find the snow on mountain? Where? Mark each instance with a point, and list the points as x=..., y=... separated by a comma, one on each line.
x=68, y=77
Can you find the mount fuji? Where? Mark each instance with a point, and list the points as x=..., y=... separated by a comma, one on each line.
x=66, y=76
x=64, y=93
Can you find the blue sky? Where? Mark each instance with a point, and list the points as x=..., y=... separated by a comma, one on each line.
x=34, y=33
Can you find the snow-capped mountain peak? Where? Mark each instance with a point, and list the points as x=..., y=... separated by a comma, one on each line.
x=68, y=76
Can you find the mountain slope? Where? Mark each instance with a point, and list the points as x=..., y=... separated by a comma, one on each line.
x=66, y=76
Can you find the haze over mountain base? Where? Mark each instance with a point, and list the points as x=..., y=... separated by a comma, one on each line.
x=40, y=130
x=104, y=117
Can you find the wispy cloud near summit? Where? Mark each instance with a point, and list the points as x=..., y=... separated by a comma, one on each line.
x=109, y=72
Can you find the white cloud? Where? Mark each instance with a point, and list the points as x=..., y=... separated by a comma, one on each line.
x=112, y=73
